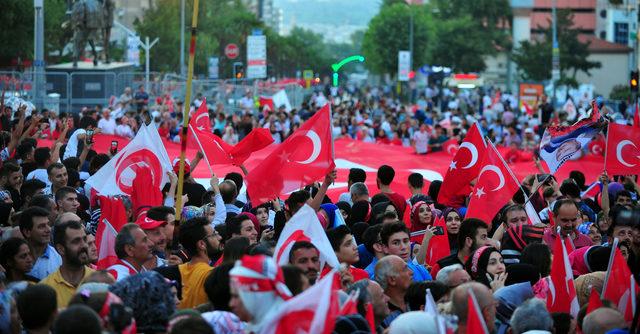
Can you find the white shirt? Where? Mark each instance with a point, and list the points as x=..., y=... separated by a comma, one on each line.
x=39, y=174
x=421, y=139
x=72, y=145
x=108, y=126
x=123, y=130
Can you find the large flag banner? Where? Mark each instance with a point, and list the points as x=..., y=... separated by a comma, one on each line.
x=305, y=226
x=623, y=150
x=463, y=169
x=495, y=187
x=475, y=318
x=304, y=157
x=619, y=285
x=112, y=217
x=267, y=103
x=280, y=99
x=145, y=150
x=438, y=245
x=562, y=143
x=562, y=293
x=215, y=150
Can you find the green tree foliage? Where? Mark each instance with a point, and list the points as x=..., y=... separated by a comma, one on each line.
x=534, y=58
x=388, y=33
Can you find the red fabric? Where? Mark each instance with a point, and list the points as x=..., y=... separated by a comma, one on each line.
x=495, y=187
x=562, y=295
x=144, y=197
x=304, y=157
x=266, y=102
x=623, y=150
x=371, y=318
x=594, y=301
x=527, y=108
x=112, y=217
x=475, y=319
x=463, y=169
x=636, y=117
x=620, y=287
x=350, y=306
x=216, y=151
x=451, y=146
x=438, y=245
x=398, y=201
x=597, y=146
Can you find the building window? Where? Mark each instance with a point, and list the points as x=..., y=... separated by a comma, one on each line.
x=621, y=33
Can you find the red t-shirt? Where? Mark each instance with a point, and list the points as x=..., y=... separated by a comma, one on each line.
x=398, y=201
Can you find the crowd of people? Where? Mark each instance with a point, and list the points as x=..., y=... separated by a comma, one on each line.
x=212, y=271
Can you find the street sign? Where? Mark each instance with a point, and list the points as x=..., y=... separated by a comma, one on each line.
x=213, y=67
x=404, y=65
x=256, y=57
x=307, y=75
x=231, y=51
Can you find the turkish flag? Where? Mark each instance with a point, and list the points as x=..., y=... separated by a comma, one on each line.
x=350, y=306
x=112, y=217
x=527, y=108
x=438, y=245
x=562, y=293
x=305, y=226
x=463, y=169
x=597, y=146
x=144, y=150
x=313, y=311
x=475, y=319
x=619, y=285
x=144, y=197
x=304, y=157
x=594, y=301
x=216, y=151
x=623, y=150
x=451, y=146
x=267, y=103
x=495, y=187
x=636, y=117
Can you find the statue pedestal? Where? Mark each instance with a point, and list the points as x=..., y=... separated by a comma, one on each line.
x=87, y=85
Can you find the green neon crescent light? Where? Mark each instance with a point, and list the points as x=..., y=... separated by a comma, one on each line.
x=336, y=67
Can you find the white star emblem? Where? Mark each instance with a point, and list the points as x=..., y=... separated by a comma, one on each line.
x=284, y=156
x=480, y=192
x=201, y=128
x=453, y=166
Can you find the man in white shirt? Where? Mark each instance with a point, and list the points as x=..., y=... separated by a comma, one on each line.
x=123, y=129
x=86, y=123
x=421, y=140
x=107, y=124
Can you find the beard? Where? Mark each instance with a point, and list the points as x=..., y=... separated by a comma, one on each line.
x=75, y=258
x=213, y=252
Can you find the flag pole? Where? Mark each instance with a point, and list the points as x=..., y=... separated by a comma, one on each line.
x=606, y=146
x=187, y=104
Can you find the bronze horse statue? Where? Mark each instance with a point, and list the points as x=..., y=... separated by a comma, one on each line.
x=91, y=20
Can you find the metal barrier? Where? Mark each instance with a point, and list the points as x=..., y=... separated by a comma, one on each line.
x=91, y=88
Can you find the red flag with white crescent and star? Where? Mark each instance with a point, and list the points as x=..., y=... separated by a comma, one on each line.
x=464, y=167
x=267, y=103
x=495, y=187
x=303, y=158
x=623, y=150
x=451, y=146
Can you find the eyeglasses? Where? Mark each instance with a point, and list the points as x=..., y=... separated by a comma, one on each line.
x=214, y=234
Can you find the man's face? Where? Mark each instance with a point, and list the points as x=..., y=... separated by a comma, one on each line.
x=141, y=250
x=481, y=239
x=403, y=274
x=212, y=239
x=237, y=306
x=75, y=251
x=59, y=177
x=624, y=200
x=170, y=227
x=308, y=260
x=458, y=277
x=41, y=232
x=624, y=234
x=157, y=237
x=567, y=219
x=348, y=251
x=378, y=301
x=69, y=203
x=263, y=216
x=516, y=217
x=399, y=244
x=15, y=179
x=248, y=230
x=93, y=249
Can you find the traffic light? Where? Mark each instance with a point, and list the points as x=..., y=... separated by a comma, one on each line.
x=238, y=70
x=633, y=83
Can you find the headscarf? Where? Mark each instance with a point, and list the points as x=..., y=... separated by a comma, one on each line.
x=253, y=218
x=344, y=206
x=509, y=298
x=330, y=209
x=149, y=296
x=261, y=287
x=86, y=290
x=584, y=283
x=224, y=322
x=416, y=225
x=351, y=324
x=588, y=259
x=191, y=211
x=477, y=263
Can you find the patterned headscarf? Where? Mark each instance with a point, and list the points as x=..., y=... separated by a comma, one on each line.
x=190, y=211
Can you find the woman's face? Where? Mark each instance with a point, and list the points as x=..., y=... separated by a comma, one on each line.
x=391, y=208
x=453, y=222
x=595, y=235
x=496, y=264
x=263, y=215
x=605, y=223
x=23, y=261
x=424, y=213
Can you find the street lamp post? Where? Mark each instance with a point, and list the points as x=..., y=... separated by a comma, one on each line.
x=182, y=68
x=38, y=59
x=555, y=54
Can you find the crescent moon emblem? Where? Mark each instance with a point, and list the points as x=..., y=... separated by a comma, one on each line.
x=317, y=146
x=498, y=172
x=200, y=127
x=474, y=154
x=619, y=148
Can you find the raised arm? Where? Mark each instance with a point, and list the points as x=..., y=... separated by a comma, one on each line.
x=328, y=180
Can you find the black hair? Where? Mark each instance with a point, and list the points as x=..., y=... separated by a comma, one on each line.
x=570, y=188
x=87, y=121
x=371, y=236
x=578, y=176
x=216, y=286
x=538, y=255
x=561, y=322
x=468, y=229
x=29, y=187
x=8, y=168
x=298, y=197
x=160, y=212
x=336, y=236
x=300, y=245
x=8, y=250
x=64, y=191
x=293, y=278
x=191, y=232
x=235, y=248
x=23, y=149
x=97, y=162
x=71, y=163
x=55, y=165
x=36, y=305
x=358, y=229
x=41, y=201
x=415, y=295
x=234, y=226
x=357, y=175
x=26, y=218
x=390, y=229
x=564, y=201
x=386, y=174
x=236, y=178
x=77, y=319
x=416, y=180
x=624, y=193
x=60, y=231
x=192, y=325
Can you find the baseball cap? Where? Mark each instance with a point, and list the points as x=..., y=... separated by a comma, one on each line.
x=176, y=166
x=147, y=223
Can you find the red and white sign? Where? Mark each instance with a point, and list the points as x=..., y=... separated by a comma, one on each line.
x=231, y=51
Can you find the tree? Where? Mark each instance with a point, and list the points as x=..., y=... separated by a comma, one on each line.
x=461, y=46
x=534, y=58
x=388, y=33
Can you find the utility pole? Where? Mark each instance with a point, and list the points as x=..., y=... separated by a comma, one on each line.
x=146, y=46
x=182, y=23
x=555, y=54
x=38, y=59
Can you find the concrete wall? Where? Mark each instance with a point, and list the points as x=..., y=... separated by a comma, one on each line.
x=614, y=71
